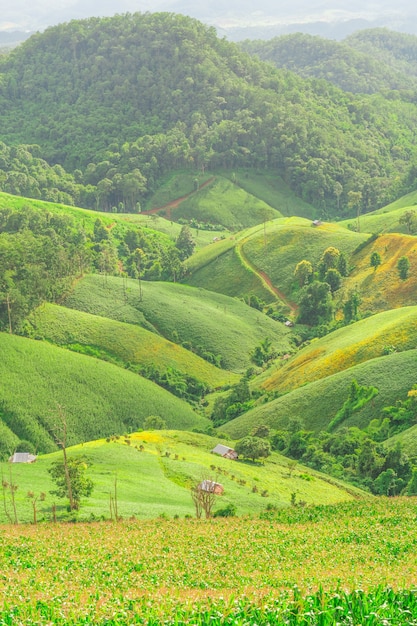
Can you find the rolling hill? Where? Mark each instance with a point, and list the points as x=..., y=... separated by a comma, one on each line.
x=394, y=330
x=126, y=345
x=200, y=102
x=214, y=325
x=156, y=470
x=316, y=403
x=99, y=399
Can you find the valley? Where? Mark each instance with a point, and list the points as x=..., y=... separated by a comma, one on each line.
x=201, y=248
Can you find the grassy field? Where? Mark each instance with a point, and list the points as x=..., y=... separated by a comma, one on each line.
x=292, y=240
x=121, y=221
x=98, y=398
x=216, y=323
x=344, y=348
x=273, y=190
x=223, y=202
x=124, y=344
x=386, y=219
x=382, y=289
x=177, y=185
x=350, y=564
x=157, y=479
x=316, y=403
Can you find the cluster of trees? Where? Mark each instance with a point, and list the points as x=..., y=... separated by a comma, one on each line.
x=120, y=101
x=318, y=286
x=41, y=252
x=355, y=454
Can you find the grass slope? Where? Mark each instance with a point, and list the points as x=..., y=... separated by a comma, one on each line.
x=224, y=202
x=289, y=241
x=382, y=289
x=273, y=190
x=122, y=221
x=318, y=402
x=124, y=344
x=219, y=324
x=345, y=348
x=158, y=478
x=99, y=398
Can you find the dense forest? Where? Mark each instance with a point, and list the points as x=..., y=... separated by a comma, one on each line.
x=114, y=104
x=369, y=61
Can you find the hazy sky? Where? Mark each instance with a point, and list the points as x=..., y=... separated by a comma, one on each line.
x=37, y=14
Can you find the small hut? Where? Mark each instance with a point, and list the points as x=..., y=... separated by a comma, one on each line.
x=225, y=452
x=22, y=457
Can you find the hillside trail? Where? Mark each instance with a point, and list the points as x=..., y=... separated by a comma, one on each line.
x=264, y=278
x=174, y=203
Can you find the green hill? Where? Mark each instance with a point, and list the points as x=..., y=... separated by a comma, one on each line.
x=215, y=326
x=316, y=403
x=95, y=99
x=365, y=62
x=272, y=250
x=394, y=330
x=99, y=399
x=157, y=479
x=224, y=202
x=126, y=345
x=387, y=219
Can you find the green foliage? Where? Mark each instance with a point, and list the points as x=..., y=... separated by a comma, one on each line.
x=253, y=448
x=303, y=272
x=403, y=267
x=333, y=278
x=365, y=62
x=375, y=259
x=315, y=304
x=359, y=395
x=185, y=243
x=100, y=398
x=227, y=511
x=81, y=485
x=216, y=327
x=160, y=118
x=263, y=352
x=154, y=422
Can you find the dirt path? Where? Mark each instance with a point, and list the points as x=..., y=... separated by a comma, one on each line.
x=174, y=203
x=264, y=278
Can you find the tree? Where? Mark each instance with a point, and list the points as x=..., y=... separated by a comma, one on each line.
x=154, y=422
x=333, y=279
x=409, y=218
x=315, y=304
x=411, y=489
x=351, y=306
x=185, y=243
x=403, y=267
x=253, y=448
x=375, y=260
x=204, y=497
x=342, y=265
x=337, y=190
x=303, y=272
x=355, y=202
x=81, y=485
x=262, y=431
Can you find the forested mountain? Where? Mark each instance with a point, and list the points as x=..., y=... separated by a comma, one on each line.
x=368, y=61
x=122, y=101
x=361, y=63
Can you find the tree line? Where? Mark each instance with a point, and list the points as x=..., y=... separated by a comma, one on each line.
x=119, y=102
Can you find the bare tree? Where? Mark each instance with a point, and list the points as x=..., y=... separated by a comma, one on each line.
x=9, y=490
x=204, y=496
x=59, y=433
